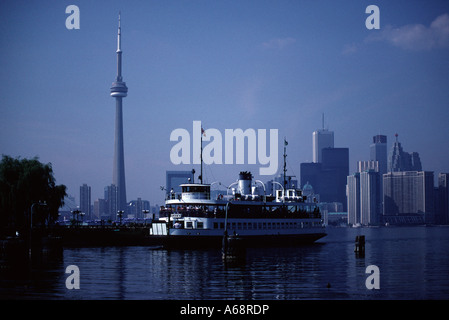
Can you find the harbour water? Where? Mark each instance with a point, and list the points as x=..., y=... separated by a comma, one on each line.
x=413, y=264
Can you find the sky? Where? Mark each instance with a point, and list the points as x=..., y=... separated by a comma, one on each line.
x=229, y=64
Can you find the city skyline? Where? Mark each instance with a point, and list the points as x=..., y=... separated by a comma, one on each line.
x=239, y=64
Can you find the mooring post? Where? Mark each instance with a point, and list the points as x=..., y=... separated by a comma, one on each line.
x=359, y=248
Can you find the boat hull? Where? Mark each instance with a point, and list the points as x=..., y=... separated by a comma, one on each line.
x=204, y=241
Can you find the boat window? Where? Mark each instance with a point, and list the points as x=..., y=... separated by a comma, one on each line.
x=189, y=225
x=200, y=225
x=195, y=189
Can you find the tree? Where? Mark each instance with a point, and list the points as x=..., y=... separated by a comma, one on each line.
x=24, y=182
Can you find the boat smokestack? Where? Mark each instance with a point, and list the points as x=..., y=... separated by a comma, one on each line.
x=245, y=179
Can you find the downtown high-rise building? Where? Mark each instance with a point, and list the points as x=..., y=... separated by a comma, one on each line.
x=399, y=160
x=330, y=167
x=409, y=197
x=443, y=198
x=353, y=198
x=85, y=201
x=363, y=196
x=110, y=197
x=370, y=195
x=378, y=152
x=321, y=139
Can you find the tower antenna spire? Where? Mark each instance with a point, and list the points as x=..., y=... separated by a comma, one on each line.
x=119, y=49
x=323, y=120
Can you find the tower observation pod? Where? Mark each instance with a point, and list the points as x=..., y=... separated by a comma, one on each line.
x=119, y=88
x=119, y=91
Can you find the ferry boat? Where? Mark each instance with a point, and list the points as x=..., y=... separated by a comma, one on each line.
x=193, y=218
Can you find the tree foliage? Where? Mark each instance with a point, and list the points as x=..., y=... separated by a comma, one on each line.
x=24, y=182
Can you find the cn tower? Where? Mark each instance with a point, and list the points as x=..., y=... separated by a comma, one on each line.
x=119, y=91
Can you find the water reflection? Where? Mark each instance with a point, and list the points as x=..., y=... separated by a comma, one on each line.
x=412, y=263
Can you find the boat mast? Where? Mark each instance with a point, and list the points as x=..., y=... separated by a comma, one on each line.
x=285, y=163
x=201, y=155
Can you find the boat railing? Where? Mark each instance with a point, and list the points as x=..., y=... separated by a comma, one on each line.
x=278, y=213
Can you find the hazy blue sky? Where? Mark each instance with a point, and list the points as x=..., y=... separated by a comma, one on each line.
x=231, y=64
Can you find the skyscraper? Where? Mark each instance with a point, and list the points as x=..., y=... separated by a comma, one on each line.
x=322, y=138
x=111, y=196
x=443, y=203
x=85, y=200
x=409, y=194
x=369, y=197
x=378, y=152
x=363, y=195
x=119, y=91
x=399, y=160
x=353, y=196
x=334, y=170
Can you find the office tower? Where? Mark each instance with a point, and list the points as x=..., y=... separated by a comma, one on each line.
x=100, y=209
x=110, y=196
x=370, y=197
x=85, y=201
x=409, y=194
x=378, y=152
x=119, y=91
x=399, y=160
x=353, y=196
x=175, y=178
x=310, y=173
x=321, y=139
x=328, y=178
x=443, y=198
x=334, y=171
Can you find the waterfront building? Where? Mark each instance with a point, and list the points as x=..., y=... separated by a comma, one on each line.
x=363, y=198
x=443, y=198
x=353, y=196
x=408, y=197
x=370, y=197
x=85, y=201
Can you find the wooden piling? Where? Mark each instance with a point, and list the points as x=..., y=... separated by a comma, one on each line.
x=359, y=248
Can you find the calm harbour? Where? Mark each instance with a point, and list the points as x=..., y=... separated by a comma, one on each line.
x=413, y=264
